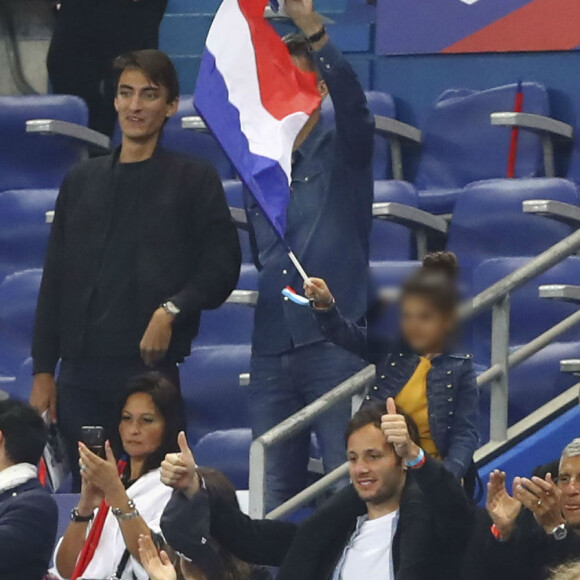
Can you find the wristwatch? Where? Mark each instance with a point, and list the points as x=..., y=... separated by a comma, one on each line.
x=559, y=532
x=170, y=308
x=76, y=517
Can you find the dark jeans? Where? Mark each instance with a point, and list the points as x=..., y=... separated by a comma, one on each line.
x=283, y=384
x=88, y=392
x=88, y=36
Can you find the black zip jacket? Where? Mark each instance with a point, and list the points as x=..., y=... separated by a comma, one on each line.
x=188, y=251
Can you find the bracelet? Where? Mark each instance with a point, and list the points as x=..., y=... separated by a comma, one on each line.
x=123, y=516
x=317, y=36
x=76, y=517
x=418, y=461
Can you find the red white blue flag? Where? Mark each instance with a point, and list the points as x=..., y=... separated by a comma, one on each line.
x=255, y=101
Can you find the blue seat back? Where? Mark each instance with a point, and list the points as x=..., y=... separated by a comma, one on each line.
x=574, y=166
x=530, y=315
x=33, y=161
x=195, y=143
x=379, y=104
x=488, y=220
x=23, y=228
x=461, y=146
x=18, y=295
x=211, y=388
x=388, y=240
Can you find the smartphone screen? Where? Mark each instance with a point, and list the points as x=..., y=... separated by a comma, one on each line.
x=93, y=436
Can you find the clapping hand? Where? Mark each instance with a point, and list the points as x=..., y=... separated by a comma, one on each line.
x=157, y=565
x=501, y=507
x=543, y=498
x=179, y=470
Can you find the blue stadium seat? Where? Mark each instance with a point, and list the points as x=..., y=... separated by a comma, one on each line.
x=18, y=294
x=460, y=145
x=537, y=380
x=23, y=228
x=33, y=161
x=195, y=143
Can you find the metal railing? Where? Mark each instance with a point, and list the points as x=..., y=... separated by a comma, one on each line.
x=496, y=297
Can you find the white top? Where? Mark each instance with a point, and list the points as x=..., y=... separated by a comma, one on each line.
x=150, y=497
x=16, y=475
x=369, y=552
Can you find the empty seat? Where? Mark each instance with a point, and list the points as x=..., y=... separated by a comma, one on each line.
x=23, y=228
x=34, y=161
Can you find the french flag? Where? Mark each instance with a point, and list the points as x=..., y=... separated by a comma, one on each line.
x=255, y=102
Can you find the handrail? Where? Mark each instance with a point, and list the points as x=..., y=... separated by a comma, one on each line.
x=521, y=276
x=496, y=297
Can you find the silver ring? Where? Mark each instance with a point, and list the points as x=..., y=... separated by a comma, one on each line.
x=539, y=503
x=83, y=467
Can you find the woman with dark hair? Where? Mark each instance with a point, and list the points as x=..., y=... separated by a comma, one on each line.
x=428, y=380
x=122, y=496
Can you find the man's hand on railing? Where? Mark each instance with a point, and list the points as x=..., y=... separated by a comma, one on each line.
x=179, y=470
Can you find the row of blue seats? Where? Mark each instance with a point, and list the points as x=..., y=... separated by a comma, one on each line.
x=459, y=145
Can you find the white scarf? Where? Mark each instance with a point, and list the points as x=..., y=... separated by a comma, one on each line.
x=16, y=475
x=150, y=497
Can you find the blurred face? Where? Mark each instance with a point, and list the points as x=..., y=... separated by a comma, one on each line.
x=142, y=426
x=569, y=484
x=142, y=106
x=423, y=327
x=375, y=470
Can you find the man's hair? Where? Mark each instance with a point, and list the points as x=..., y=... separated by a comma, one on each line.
x=570, y=571
x=571, y=450
x=155, y=65
x=23, y=430
x=298, y=47
x=372, y=415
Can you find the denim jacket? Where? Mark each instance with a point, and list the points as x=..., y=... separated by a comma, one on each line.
x=452, y=392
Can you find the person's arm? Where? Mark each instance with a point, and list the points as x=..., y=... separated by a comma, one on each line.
x=215, y=270
x=263, y=542
x=46, y=337
x=25, y=529
x=464, y=436
x=354, y=122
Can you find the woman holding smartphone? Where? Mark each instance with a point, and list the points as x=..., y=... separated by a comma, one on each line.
x=128, y=480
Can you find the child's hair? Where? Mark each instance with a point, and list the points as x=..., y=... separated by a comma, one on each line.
x=436, y=281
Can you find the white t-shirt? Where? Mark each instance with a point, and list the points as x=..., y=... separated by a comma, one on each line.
x=369, y=552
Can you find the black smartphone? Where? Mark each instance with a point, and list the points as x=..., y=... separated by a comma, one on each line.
x=93, y=436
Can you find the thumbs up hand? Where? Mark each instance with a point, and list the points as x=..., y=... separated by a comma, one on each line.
x=396, y=432
x=179, y=470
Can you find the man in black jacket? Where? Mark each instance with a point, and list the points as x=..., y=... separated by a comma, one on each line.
x=534, y=529
x=28, y=513
x=412, y=523
x=142, y=241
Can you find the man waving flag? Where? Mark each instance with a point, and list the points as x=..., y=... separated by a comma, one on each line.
x=261, y=98
x=255, y=101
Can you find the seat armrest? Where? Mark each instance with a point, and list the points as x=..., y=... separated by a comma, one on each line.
x=418, y=220
x=79, y=133
x=397, y=133
x=194, y=123
x=4, y=395
x=240, y=218
x=243, y=297
x=556, y=210
x=571, y=366
x=564, y=292
x=547, y=128
x=49, y=216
